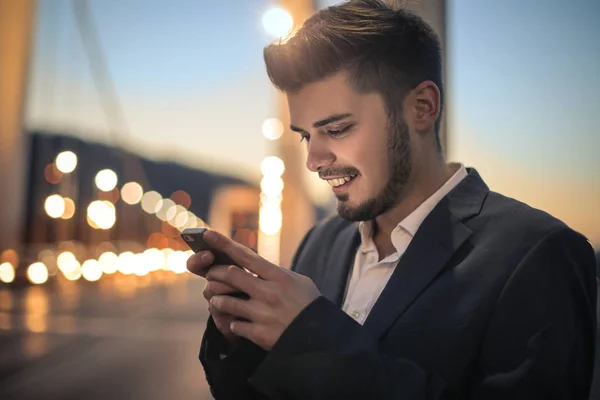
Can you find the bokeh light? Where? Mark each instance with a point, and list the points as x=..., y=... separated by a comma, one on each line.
x=132, y=193
x=37, y=273
x=91, y=270
x=7, y=272
x=150, y=201
x=106, y=180
x=52, y=174
x=66, y=162
x=277, y=22
x=271, y=185
x=272, y=128
x=272, y=166
x=270, y=219
x=69, y=208
x=182, y=198
x=108, y=262
x=54, y=206
x=102, y=213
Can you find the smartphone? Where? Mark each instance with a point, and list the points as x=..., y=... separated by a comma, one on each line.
x=194, y=238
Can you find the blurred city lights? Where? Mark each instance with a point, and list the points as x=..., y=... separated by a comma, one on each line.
x=272, y=166
x=10, y=256
x=182, y=198
x=132, y=193
x=277, y=22
x=272, y=128
x=52, y=174
x=102, y=213
x=37, y=273
x=177, y=261
x=108, y=262
x=150, y=201
x=270, y=218
x=91, y=270
x=165, y=208
x=125, y=263
x=69, y=208
x=106, y=180
x=271, y=185
x=66, y=162
x=7, y=272
x=54, y=206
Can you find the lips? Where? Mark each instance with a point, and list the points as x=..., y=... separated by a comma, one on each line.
x=341, y=184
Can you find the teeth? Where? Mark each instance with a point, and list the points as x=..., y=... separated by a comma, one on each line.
x=339, y=181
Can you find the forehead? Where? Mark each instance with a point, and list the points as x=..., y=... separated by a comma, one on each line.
x=324, y=98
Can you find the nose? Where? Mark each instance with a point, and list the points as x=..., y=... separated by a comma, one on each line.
x=319, y=155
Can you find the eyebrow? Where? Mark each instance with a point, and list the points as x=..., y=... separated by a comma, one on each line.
x=323, y=122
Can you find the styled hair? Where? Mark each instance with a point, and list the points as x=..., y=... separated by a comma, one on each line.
x=382, y=49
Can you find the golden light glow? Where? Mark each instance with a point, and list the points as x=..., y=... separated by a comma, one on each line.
x=69, y=208
x=277, y=22
x=272, y=166
x=165, y=208
x=271, y=186
x=54, y=206
x=153, y=259
x=125, y=263
x=272, y=128
x=177, y=262
x=150, y=201
x=108, y=262
x=7, y=272
x=132, y=193
x=102, y=213
x=106, y=180
x=37, y=273
x=91, y=270
x=66, y=162
x=270, y=219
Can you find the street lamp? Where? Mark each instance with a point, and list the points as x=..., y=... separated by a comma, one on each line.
x=277, y=22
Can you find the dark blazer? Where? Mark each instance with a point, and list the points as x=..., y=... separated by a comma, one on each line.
x=492, y=300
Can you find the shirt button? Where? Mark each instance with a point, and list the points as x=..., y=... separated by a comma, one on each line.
x=355, y=314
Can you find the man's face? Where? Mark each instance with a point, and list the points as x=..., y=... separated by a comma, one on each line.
x=365, y=157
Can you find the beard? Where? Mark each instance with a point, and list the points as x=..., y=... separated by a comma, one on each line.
x=400, y=168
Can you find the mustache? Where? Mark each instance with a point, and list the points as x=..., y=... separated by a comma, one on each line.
x=342, y=170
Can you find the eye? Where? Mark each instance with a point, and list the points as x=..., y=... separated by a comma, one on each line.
x=304, y=136
x=339, y=132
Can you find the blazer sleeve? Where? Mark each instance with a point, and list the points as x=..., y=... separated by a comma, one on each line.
x=227, y=368
x=539, y=343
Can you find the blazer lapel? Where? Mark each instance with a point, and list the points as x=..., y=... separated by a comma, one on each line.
x=340, y=260
x=436, y=240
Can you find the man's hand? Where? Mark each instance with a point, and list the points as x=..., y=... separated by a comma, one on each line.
x=197, y=264
x=277, y=295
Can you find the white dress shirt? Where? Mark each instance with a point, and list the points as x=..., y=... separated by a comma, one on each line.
x=369, y=275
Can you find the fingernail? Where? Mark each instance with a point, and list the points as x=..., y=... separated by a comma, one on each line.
x=206, y=257
x=210, y=236
x=215, y=301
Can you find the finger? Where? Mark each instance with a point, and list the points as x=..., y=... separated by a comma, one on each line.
x=219, y=288
x=231, y=305
x=200, y=263
x=239, y=279
x=248, y=330
x=243, y=256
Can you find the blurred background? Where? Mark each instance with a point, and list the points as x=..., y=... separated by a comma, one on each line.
x=124, y=122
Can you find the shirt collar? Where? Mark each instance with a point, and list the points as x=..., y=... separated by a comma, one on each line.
x=413, y=221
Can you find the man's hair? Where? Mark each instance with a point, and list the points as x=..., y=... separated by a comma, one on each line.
x=382, y=49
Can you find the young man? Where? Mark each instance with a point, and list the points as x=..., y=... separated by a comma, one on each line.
x=428, y=285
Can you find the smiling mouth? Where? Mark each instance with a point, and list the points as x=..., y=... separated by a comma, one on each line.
x=341, y=182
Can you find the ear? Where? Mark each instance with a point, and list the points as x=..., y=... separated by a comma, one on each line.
x=426, y=103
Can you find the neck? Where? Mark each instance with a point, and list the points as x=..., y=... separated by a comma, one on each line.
x=426, y=179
